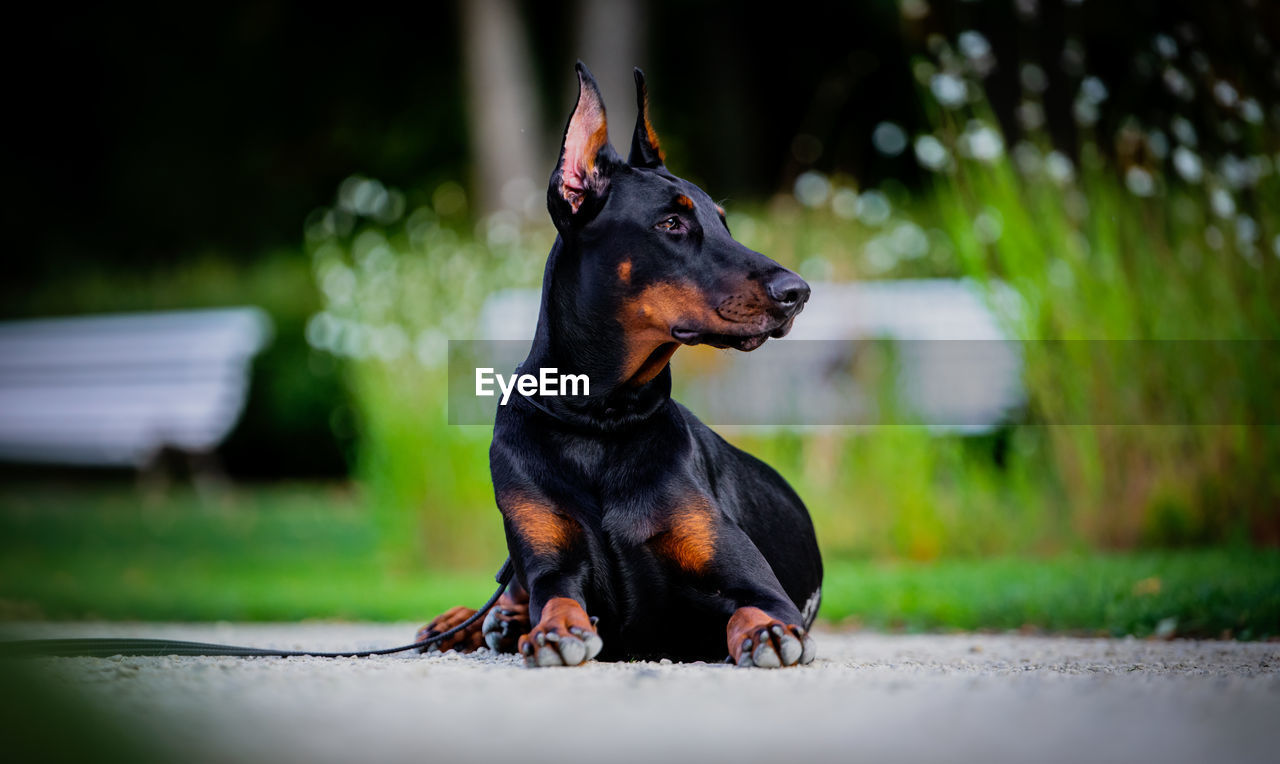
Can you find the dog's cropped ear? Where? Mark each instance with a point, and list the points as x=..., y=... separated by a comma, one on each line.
x=645, y=151
x=581, y=178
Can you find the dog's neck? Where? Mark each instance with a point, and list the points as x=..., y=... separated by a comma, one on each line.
x=576, y=336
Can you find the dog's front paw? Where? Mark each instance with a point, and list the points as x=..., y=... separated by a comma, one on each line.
x=505, y=623
x=758, y=639
x=565, y=636
x=470, y=638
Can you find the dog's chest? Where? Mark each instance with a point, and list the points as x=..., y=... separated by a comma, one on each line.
x=638, y=485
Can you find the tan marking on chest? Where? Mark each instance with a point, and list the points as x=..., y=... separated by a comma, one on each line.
x=545, y=530
x=691, y=540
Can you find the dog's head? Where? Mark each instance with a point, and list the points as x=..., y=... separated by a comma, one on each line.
x=657, y=248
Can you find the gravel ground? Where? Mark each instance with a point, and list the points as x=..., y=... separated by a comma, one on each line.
x=868, y=697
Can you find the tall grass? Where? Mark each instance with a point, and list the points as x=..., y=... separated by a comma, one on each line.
x=1148, y=301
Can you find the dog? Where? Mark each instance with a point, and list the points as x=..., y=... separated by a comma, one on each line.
x=634, y=530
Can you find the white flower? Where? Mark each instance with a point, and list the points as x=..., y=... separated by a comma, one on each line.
x=889, y=139
x=931, y=153
x=1059, y=167
x=1221, y=202
x=982, y=142
x=1188, y=164
x=1139, y=181
x=812, y=188
x=873, y=208
x=949, y=89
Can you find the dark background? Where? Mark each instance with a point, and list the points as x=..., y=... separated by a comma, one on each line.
x=143, y=135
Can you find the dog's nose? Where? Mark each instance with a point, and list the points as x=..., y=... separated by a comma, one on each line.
x=787, y=290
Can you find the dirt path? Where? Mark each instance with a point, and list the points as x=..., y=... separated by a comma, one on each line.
x=868, y=697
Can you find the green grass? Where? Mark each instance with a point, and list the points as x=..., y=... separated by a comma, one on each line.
x=278, y=553
x=307, y=551
x=1197, y=593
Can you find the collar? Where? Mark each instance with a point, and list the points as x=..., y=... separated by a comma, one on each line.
x=582, y=422
x=532, y=400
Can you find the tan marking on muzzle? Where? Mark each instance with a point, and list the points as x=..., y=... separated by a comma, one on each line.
x=647, y=320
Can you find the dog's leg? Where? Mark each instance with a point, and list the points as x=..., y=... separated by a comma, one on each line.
x=758, y=639
x=764, y=626
x=552, y=557
x=564, y=636
x=465, y=641
x=508, y=620
x=499, y=630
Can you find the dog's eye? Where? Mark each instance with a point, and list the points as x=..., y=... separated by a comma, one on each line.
x=672, y=223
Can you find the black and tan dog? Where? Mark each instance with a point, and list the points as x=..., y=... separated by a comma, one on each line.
x=636, y=531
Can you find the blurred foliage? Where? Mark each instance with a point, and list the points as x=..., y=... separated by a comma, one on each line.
x=1122, y=268
x=291, y=552
x=397, y=285
x=903, y=491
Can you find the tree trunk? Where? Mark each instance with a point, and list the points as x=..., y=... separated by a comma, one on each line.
x=502, y=106
x=611, y=37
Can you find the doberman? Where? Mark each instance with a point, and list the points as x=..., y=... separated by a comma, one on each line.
x=635, y=531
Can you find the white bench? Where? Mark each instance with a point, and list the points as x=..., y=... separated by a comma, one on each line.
x=116, y=390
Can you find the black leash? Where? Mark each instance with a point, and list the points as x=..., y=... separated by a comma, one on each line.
x=108, y=646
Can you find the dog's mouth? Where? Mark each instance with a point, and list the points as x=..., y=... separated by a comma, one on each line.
x=744, y=342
